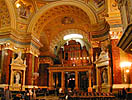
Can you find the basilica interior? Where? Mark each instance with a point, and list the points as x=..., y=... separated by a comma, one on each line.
x=69, y=44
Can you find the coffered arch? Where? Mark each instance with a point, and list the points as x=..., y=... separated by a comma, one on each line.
x=11, y=13
x=81, y=5
x=46, y=24
x=59, y=41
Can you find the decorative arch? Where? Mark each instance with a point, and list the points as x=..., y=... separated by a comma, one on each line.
x=59, y=38
x=85, y=7
x=12, y=13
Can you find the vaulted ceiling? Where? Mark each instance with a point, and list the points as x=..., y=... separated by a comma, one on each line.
x=51, y=20
x=56, y=18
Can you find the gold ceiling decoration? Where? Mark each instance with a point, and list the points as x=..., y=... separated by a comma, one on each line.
x=67, y=20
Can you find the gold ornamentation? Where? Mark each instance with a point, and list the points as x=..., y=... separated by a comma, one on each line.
x=5, y=20
x=46, y=60
x=67, y=20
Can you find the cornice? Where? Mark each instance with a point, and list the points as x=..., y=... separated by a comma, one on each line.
x=125, y=41
x=20, y=38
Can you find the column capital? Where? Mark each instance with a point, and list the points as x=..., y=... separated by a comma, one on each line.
x=76, y=71
x=50, y=72
x=90, y=70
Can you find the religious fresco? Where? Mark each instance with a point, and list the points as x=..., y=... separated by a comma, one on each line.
x=67, y=20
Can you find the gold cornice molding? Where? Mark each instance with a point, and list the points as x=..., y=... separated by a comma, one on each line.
x=46, y=60
x=36, y=42
x=16, y=48
x=5, y=29
x=13, y=41
x=70, y=68
x=101, y=27
x=120, y=86
x=19, y=37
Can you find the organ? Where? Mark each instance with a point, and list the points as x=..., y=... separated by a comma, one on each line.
x=74, y=55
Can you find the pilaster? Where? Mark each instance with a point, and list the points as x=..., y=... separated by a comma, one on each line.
x=90, y=78
x=76, y=80
x=28, y=69
x=6, y=56
x=50, y=80
x=36, y=67
x=98, y=79
x=63, y=80
x=116, y=62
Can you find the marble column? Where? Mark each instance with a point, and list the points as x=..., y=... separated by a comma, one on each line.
x=76, y=80
x=116, y=62
x=6, y=57
x=63, y=80
x=50, y=79
x=28, y=77
x=36, y=67
x=109, y=77
x=98, y=79
x=90, y=78
x=57, y=81
x=23, y=78
x=90, y=81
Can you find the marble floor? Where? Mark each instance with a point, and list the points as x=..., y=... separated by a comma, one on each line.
x=55, y=98
x=47, y=98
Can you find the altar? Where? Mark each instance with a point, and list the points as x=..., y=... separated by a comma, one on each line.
x=103, y=71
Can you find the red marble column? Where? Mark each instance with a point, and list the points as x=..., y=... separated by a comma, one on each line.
x=0, y=66
x=63, y=80
x=76, y=80
x=130, y=73
x=36, y=67
x=28, y=76
x=6, y=64
x=116, y=62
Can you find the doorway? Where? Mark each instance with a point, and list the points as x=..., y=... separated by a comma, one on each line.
x=83, y=81
x=70, y=80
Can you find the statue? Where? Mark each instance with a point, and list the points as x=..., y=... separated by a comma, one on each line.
x=103, y=55
x=105, y=77
x=17, y=78
x=20, y=54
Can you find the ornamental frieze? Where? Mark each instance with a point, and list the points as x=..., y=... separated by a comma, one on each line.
x=46, y=60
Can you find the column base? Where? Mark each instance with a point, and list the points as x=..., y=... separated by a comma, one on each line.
x=50, y=88
x=76, y=88
x=90, y=89
x=103, y=88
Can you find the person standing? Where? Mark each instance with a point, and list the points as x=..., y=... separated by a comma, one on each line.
x=7, y=94
x=124, y=93
x=34, y=93
x=30, y=94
